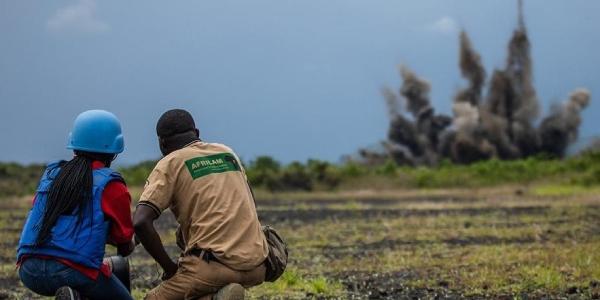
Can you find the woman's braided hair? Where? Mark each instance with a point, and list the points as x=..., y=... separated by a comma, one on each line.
x=70, y=191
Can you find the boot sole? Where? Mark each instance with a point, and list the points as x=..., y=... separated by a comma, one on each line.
x=66, y=293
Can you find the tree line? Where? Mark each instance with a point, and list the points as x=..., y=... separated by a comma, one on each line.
x=266, y=173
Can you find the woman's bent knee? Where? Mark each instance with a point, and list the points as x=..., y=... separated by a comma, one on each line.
x=36, y=284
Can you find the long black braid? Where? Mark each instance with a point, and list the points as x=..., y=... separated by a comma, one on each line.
x=70, y=191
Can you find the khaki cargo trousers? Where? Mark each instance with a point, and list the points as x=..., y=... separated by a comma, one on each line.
x=197, y=279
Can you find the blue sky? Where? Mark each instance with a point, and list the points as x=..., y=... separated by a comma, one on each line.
x=291, y=79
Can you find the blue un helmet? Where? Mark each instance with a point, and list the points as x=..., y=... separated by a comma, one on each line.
x=96, y=131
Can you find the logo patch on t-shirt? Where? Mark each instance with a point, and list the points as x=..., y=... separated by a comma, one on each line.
x=217, y=163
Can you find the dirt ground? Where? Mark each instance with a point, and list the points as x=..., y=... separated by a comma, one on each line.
x=499, y=243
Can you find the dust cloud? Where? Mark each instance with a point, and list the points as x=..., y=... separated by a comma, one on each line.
x=502, y=123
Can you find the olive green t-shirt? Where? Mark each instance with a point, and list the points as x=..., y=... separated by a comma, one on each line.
x=205, y=186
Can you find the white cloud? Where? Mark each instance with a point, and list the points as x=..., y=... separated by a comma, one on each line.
x=445, y=25
x=78, y=17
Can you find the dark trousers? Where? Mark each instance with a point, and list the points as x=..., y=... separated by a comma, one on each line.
x=45, y=276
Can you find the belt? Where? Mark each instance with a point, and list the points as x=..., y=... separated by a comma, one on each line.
x=206, y=255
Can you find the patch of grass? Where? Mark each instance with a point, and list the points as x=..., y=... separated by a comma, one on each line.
x=562, y=190
x=295, y=285
x=138, y=293
x=542, y=277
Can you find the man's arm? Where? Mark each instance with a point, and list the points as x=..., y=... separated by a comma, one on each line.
x=143, y=223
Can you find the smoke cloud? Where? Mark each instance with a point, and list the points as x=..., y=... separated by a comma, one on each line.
x=501, y=123
x=471, y=69
x=560, y=128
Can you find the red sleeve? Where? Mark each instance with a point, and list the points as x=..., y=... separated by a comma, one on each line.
x=116, y=205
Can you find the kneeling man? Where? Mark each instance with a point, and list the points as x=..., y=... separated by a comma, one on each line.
x=205, y=186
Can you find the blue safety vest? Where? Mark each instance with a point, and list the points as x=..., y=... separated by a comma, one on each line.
x=82, y=243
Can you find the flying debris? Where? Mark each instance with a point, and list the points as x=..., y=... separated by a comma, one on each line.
x=499, y=124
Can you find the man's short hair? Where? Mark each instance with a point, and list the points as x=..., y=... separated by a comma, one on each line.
x=174, y=122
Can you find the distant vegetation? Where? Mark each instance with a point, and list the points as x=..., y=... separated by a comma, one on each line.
x=264, y=172
x=16, y=179
x=268, y=174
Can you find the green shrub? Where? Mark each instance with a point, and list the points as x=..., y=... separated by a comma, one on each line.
x=265, y=163
x=19, y=180
x=295, y=177
x=323, y=173
x=137, y=174
x=352, y=169
x=265, y=172
x=389, y=168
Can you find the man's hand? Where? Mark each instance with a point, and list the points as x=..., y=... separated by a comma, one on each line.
x=126, y=249
x=143, y=223
x=170, y=272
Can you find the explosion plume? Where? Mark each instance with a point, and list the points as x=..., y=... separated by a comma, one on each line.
x=500, y=124
x=472, y=69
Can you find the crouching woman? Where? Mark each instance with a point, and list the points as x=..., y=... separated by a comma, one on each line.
x=80, y=206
